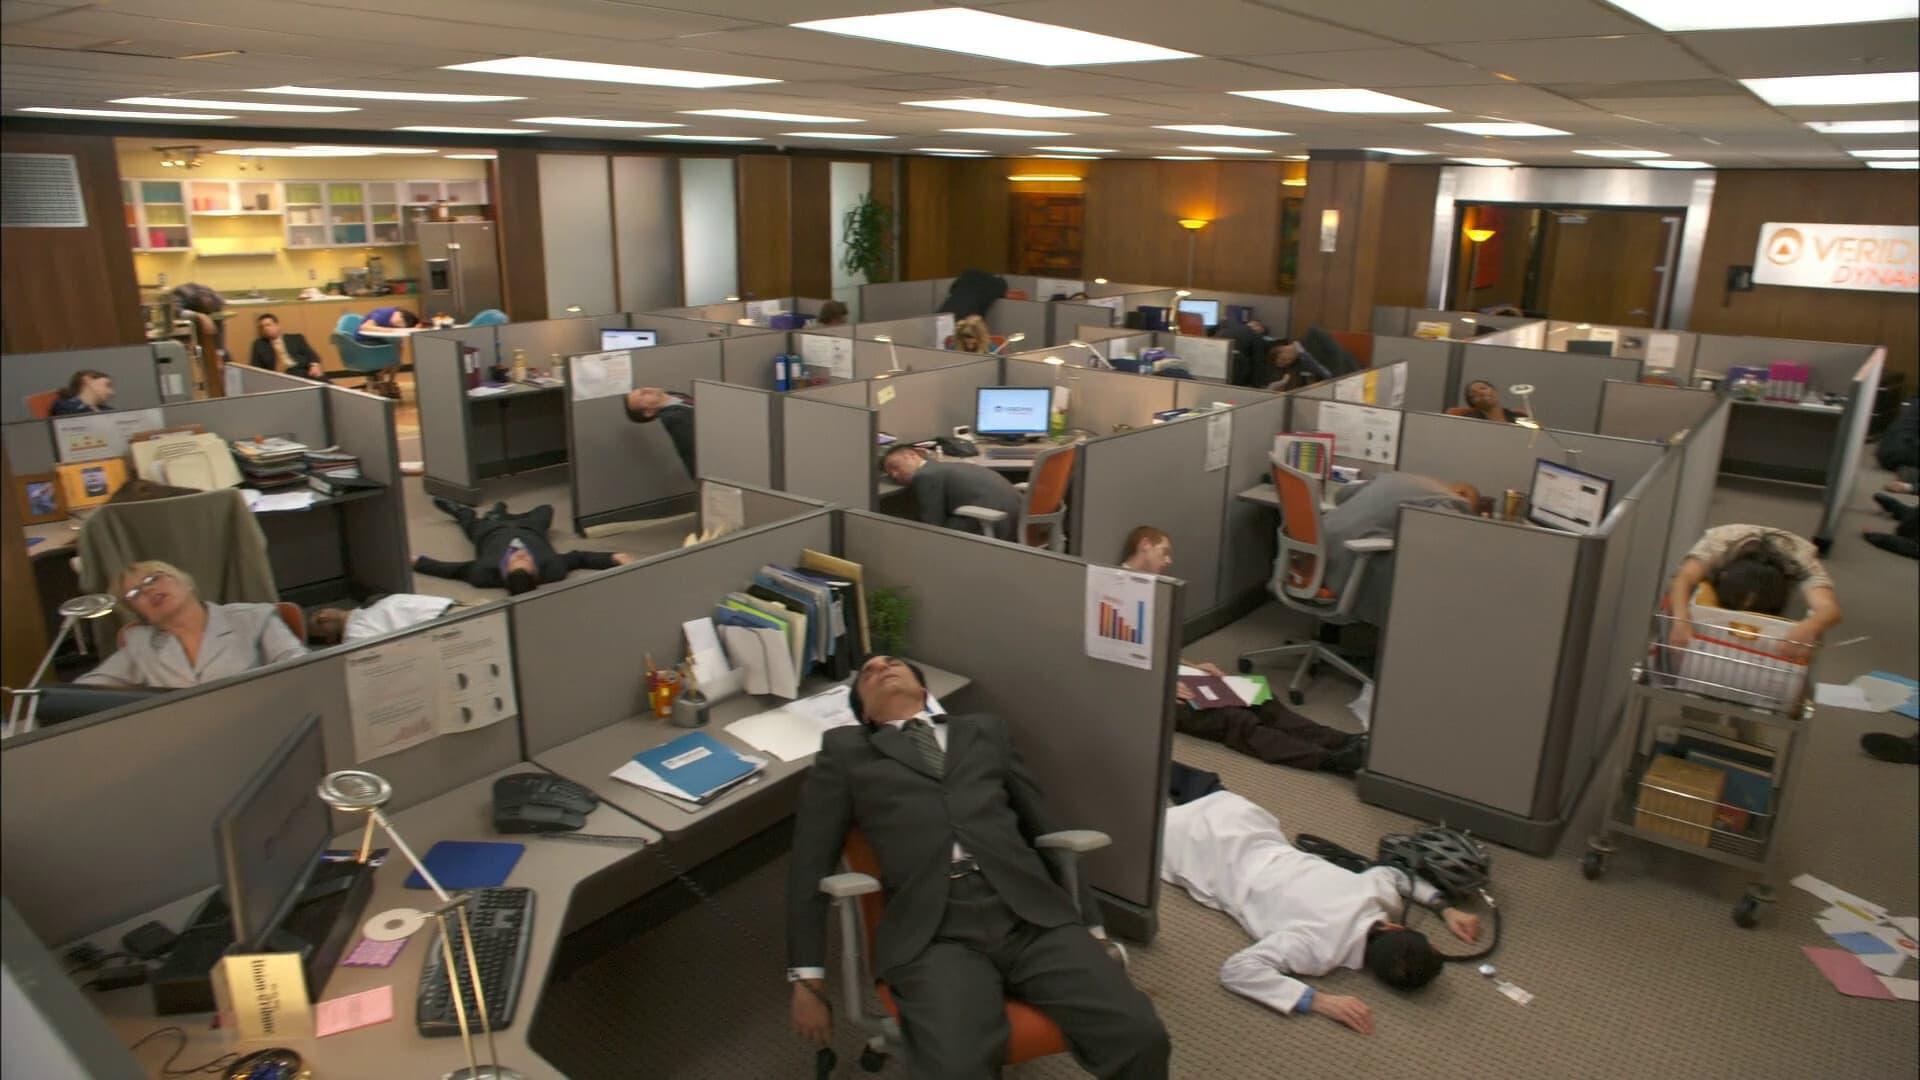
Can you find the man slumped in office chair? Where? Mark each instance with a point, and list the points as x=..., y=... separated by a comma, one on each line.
x=1372, y=509
x=673, y=411
x=511, y=551
x=941, y=488
x=972, y=914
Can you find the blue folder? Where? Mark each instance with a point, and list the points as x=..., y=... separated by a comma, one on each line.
x=468, y=864
x=696, y=763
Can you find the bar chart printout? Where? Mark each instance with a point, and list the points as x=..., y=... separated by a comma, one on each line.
x=1119, y=620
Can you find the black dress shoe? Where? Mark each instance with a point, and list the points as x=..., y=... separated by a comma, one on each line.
x=1894, y=748
x=1899, y=545
x=1348, y=758
x=1892, y=505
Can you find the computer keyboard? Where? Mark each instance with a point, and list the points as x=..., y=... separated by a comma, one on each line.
x=502, y=921
x=1012, y=452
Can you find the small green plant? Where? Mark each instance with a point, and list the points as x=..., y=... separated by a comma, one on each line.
x=867, y=232
x=889, y=615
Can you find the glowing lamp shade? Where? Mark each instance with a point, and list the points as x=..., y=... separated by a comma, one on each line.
x=1480, y=236
x=1195, y=224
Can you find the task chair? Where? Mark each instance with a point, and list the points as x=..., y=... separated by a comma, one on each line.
x=1043, y=509
x=489, y=317
x=40, y=405
x=859, y=903
x=1300, y=577
x=376, y=362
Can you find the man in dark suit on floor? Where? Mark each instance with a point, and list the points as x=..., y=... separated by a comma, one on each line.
x=511, y=551
x=972, y=913
x=942, y=487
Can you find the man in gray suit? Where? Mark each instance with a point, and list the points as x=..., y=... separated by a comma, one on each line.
x=972, y=913
x=941, y=487
x=1372, y=509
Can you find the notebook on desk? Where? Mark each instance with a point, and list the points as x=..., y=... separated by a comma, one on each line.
x=697, y=765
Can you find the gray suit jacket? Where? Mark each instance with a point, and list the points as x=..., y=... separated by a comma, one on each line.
x=873, y=778
x=941, y=487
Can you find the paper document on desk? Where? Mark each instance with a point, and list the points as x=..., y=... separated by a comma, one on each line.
x=490, y=390
x=282, y=500
x=600, y=374
x=456, y=677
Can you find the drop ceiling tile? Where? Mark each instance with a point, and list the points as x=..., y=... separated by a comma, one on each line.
x=14, y=12
x=1376, y=68
x=1428, y=21
x=1810, y=50
x=828, y=50
x=1207, y=29
x=1498, y=98
x=1206, y=73
x=585, y=18
x=1583, y=59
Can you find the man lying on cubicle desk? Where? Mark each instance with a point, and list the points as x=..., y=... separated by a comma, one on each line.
x=675, y=413
x=511, y=551
x=972, y=913
x=942, y=487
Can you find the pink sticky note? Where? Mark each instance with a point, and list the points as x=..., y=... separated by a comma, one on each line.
x=335, y=1015
x=1847, y=974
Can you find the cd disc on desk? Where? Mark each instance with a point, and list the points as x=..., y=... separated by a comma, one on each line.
x=393, y=925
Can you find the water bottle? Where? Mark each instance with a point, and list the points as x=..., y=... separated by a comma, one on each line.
x=780, y=378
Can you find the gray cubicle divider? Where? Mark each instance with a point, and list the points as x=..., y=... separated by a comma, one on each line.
x=242, y=379
x=1851, y=443
x=1633, y=410
x=1498, y=457
x=374, y=530
x=1531, y=334
x=1667, y=352
x=920, y=331
x=623, y=471
x=1433, y=375
x=926, y=404
x=575, y=678
x=747, y=359
x=1274, y=311
x=1567, y=386
x=1155, y=476
x=1194, y=393
x=1699, y=475
x=1030, y=317
x=1834, y=363
x=736, y=433
x=135, y=374
x=1303, y=414
x=1096, y=735
x=543, y=339
x=1461, y=325
x=763, y=506
x=1118, y=288
x=854, y=392
x=900, y=299
x=679, y=331
x=440, y=391
x=828, y=451
x=1389, y=320
x=299, y=412
x=1248, y=539
x=29, y=446
x=871, y=358
x=1100, y=401
x=1069, y=319
x=107, y=817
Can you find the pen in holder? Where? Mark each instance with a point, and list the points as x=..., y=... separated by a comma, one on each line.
x=690, y=710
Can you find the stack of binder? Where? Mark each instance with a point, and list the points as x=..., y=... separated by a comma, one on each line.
x=271, y=461
x=788, y=624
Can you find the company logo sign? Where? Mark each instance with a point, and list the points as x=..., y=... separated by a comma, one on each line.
x=1869, y=258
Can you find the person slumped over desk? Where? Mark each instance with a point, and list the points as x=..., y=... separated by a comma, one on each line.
x=942, y=487
x=674, y=413
x=511, y=551
x=1372, y=510
x=178, y=640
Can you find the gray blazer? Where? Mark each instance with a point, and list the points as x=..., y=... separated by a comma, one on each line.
x=941, y=487
x=873, y=778
x=240, y=637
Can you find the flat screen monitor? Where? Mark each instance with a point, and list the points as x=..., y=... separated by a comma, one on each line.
x=1597, y=348
x=1567, y=499
x=271, y=835
x=628, y=339
x=1208, y=310
x=1012, y=410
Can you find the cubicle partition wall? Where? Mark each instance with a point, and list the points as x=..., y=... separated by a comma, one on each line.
x=854, y=392
x=1461, y=325
x=1099, y=402
x=736, y=433
x=241, y=379
x=625, y=471
x=1119, y=288
x=1667, y=353
x=920, y=331
x=1499, y=457
x=1833, y=363
x=373, y=528
x=1033, y=318
x=1069, y=319
x=758, y=505
x=139, y=380
x=874, y=358
x=828, y=449
x=1566, y=386
x=1633, y=410
x=902, y=299
x=1844, y=457
x=922, y=405
x=671, y=330
x=1073, y=717
x=746, y=359
x=1433, y=370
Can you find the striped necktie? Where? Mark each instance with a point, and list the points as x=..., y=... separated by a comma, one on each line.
x=928, y=744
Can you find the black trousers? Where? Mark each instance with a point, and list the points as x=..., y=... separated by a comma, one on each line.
x=1271, y=732
x=539, y=519
x=952, y=996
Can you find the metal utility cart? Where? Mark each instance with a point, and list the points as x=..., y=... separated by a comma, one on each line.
x=1741, y=714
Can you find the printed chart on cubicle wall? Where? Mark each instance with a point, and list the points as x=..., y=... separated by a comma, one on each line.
x=444, y=680
x=1119, y=626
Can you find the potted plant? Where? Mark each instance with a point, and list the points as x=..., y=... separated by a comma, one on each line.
x=867, y=232
x=889, y=615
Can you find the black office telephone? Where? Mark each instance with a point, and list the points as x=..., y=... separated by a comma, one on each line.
x=956, y=447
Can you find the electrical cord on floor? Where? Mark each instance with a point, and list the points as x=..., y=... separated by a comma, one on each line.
x=166, y=1067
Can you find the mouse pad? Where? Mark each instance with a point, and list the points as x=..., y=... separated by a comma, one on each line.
x=468, y=864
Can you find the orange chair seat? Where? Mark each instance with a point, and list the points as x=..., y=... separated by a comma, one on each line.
x=1030, y=1034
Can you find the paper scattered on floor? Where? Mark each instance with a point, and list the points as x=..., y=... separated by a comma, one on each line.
x=1841, y=696
x=1847, y=974
x=1904, y=989
x=1865, y=909
x=1908, y=704
x=1908, y=924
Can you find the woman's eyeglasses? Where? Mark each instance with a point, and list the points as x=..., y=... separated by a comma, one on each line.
x=134, y=593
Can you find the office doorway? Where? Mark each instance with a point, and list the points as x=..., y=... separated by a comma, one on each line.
x=1047, y=234
x=1603, y=265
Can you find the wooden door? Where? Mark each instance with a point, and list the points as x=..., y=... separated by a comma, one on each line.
x=1603, y=266
x=1047, y=235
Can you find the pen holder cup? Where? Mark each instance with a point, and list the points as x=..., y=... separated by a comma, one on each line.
x=690, y=711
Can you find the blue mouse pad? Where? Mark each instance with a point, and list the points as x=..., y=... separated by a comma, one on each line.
x=468, y=864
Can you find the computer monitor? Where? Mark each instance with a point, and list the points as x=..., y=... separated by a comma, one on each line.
x=1597, y=348
x=269, y=838
x=1012, y=411
x=628, y=339
x=1208, y=310
x=1567, y=499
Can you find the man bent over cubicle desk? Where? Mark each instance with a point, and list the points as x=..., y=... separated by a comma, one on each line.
x=942, y=487
x=1370, y=510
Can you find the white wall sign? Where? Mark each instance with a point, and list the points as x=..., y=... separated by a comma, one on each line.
x=1868, y=258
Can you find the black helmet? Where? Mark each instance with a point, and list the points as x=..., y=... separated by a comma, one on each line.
x=1453, y=861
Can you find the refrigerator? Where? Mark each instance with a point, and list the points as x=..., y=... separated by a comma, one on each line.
x=459, y=267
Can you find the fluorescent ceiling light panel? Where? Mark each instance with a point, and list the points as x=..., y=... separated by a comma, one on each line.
x=1231, y=131
x=1878, y=88
x=1864, y=127
x=996, y=107
x=1671, y=163
x=1885, y=153
x=783, y=117
x=439, y=130
x=1488, y=161
x=382, y=95
x=471, y=157
x=981, y=34
x=1631, y=155
x=1680, y=15
x=1893, y=164
x=1398, y=152
x=707, y=138
x=1508, y=129
x=949, y=150
x=589, y=121
x=1227, y=149
x=124, y=114
x=1180, y=157
x=1341, y=101
x=833, y=135
x=232, y=106
x=1005, y=131
x=1079, y=149
x=1066, y=157
x=543, y=67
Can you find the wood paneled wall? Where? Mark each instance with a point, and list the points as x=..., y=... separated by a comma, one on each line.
x=1133, y=210
x=1335, y=289
x=813, y=227
x=955, y=217
x=1406, y=236
x=516, y=200
x=1744, y=201
x=766, y=225
x=71, y=288
x=23, y=633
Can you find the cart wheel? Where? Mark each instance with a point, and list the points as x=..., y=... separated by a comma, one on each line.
x=1246, y=665
x=1296, y=697
x=1746, y=913
x=872, y=1060
x=1593, y=865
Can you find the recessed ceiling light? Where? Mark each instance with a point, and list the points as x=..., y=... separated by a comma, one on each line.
x=591, y=121
x=544, y=67
x=382, y=149
x=125, y=114
x=1066, y=157
x=1885, y=153
x=1231, y=131
x=1342, y=101
x=1864, y=127
x=471, y=157
x=1893, y=164
x=1629, y=154
x=948, y=150
x=834, y=135
x=302, y=151
x=1001, y=37
x=783, y=117
x=1004, y=131
x=213, y=55
x=1679, y=15
x=231, y=106
x=439, y=130
x=1046, y=178
x=381, y=95
x=707, y=138
x=1398, y=152
x=1877, y=88
x=1297, y=157
x=1227, y=149
x=1180, y=157
x=1079, y=149
x=1488, y=161
x=996, y=107
x=1671, y=163
x=1506, y=128
x=1294, y=181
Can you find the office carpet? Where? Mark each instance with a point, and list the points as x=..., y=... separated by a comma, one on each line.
x=1640, y=974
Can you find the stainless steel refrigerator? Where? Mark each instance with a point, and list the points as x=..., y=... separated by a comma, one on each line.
x=459, y=268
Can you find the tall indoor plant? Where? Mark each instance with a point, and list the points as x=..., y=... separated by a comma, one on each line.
x=867, y=232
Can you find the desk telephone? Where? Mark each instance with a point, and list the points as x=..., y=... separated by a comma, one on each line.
x=950, y=447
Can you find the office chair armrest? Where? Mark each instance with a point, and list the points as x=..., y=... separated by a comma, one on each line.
x=1021, y=487
x=1371, y=545
x=847, y=886
x=1077, y=841
x=980, y=513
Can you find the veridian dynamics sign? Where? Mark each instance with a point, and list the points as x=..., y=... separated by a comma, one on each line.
x=1872, y=258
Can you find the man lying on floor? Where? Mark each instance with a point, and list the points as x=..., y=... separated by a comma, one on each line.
x=512, y=551
x=1309, y=915
x=394, y=611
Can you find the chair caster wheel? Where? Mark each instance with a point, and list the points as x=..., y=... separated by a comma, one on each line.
x=872, y=1060
x=1296, y=697
x=1746, y=913
x=1593, y=865
x=1245, y=666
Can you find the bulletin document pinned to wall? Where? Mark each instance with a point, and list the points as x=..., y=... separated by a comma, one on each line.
x=1119, y=626
x=448, y=679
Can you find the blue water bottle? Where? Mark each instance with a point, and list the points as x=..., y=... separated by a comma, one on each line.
x=780, y=380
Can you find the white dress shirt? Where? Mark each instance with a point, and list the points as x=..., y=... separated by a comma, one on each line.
x=1309, y=915
x=393, y=612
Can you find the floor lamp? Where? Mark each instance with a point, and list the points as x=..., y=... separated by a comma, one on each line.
x=1193, y=227
x=26, y=703
x=1476, y=237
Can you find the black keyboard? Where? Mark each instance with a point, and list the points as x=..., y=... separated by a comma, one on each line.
x=502, y=921
x=1014, y=453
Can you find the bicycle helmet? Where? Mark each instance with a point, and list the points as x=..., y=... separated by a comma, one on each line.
x=1451, y=860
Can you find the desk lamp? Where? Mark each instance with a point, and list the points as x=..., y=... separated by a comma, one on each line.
x=356, y=791
x=1014, y=338
x=26, y=703
x=1525, y=392
x=1099, y=361
x=893, y=356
